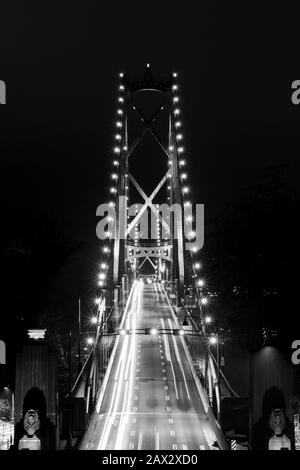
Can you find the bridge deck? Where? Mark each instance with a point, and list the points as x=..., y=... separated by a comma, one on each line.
x=151, y=400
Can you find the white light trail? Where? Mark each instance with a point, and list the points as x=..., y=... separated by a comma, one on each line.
x=168, y=357
x=122, y=371
x=179, y=361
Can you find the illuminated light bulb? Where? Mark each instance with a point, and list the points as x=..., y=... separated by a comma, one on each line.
x=102, y=276
x=117, y=149
x=194, y=249
x=120, y=112
x=197, y=266
x=185, y=190
x=120, y=99
x=111, y=204
x=90, y=341
x=121, y=87
x=121, y=74
x=115, y=162
x=180, y=149
x=113, y=190
x=119, y=124
x=192, y=234
x=169, y=175
x=114, y=176
x=200, y=283
x=189, y=218
x=175, y=87
x=213, y=340
x=171, y=147
x=181, y=162
x=108, y=234
x=183, y=176
x=176, y=111
x=94, y=320
x=175, y=99
x=204, y=301
x=179, y=136
x=177, y=124
x=125, y=148
x=118, y=137
x=103, y=265
x=187, y=203
x=175, y=74
x=105, y=249
x=97, y=301
x=169, y=187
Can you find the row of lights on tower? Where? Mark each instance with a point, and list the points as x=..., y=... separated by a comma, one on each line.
x=183, y=176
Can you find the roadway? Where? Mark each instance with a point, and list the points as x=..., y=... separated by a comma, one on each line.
x=151, y=400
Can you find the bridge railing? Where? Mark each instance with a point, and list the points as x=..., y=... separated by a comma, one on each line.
x=91, y=376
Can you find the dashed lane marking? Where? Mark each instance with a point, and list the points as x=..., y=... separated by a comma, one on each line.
x=140, y=441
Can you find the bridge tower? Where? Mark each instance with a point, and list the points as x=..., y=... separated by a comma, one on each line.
x=130, y=251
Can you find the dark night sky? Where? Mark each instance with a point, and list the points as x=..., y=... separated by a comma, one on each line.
x=60, y=61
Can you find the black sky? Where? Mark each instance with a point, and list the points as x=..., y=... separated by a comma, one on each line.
x=60, y=61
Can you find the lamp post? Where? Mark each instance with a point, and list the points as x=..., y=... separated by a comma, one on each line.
x=218, y=350
x=79, y=335
x=69, y=436
x=214, y=340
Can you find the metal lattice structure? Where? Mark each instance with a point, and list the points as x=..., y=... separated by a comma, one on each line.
x=127, y=254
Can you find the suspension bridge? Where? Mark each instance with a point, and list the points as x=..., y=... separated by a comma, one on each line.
x=150, y=380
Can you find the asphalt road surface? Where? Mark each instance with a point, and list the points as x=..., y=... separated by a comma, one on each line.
x=151, y=400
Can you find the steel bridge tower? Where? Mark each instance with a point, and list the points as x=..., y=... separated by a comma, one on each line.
x=129, y=251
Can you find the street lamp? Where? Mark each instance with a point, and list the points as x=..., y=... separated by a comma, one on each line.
x=214, y=340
